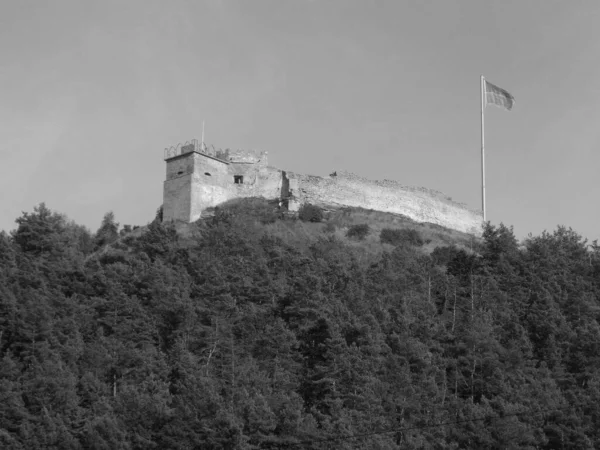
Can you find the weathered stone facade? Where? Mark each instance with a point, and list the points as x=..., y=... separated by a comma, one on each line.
x=198, y=178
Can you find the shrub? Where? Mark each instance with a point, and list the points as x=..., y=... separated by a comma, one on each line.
x=159, y=214
x=108, y=231
x=399, y=237
x=126, y=229
x=329, y=227
x=359, y=231
x=441, y=256
x=310, y=213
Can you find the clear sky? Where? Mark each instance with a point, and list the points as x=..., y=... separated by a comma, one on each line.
x=91, y=92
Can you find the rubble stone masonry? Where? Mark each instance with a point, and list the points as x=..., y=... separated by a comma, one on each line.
x=197, y=180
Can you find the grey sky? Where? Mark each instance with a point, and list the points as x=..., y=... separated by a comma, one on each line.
x=91, y=93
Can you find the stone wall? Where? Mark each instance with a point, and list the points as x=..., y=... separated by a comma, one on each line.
x=178, y=166
x=209, y=184
x=259, y=181
x=197, y=180
x=248, y=157
x=420, y=204
x=194, y=182
x=176, y=198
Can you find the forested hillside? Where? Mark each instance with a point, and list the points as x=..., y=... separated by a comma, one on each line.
x=241, y=333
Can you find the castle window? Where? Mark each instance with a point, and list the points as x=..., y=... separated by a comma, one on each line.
x=180, y=172
x=238, y=179
x=207, y=174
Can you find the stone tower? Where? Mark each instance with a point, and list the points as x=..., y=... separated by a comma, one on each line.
x=199, y=177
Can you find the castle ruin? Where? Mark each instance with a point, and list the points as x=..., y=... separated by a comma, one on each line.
x=199, y=177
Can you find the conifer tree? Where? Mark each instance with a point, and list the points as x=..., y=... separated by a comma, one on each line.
x=108, y=231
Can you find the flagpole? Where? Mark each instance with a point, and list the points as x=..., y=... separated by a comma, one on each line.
x=482, y=148
x=203, y=135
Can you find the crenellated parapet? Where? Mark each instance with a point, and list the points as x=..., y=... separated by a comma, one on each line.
x=181, y=149
x=239, y=156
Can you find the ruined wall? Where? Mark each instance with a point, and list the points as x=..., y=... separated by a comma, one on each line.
x=248, y=157
x=420, y=204
x=197, y=180
x=259, y=181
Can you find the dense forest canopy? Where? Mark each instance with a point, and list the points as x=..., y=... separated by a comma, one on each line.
x=238, y=334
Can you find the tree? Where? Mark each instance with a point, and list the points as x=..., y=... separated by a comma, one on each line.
x=159, y=214
x=235, y=336
x=359, y=231
x=310, y=213
x=108, y=231
x=42, y=231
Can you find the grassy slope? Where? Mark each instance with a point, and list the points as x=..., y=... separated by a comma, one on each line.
x=336, y=222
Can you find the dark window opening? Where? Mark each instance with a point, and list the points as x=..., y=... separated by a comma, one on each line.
x=207, y=174
x=238, y=179
x=180, y=172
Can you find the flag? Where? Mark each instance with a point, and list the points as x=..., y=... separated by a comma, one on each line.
x=498, y=96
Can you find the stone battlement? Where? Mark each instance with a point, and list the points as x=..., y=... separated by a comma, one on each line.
x=228, y=155
x=199, y=177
